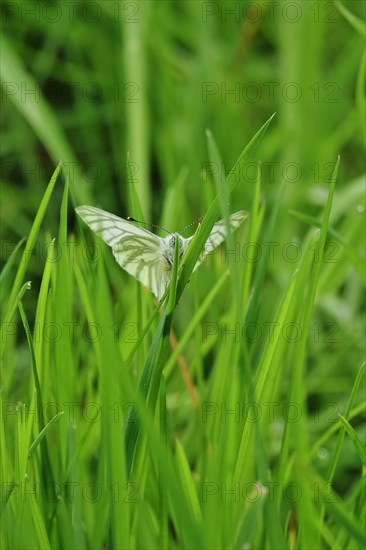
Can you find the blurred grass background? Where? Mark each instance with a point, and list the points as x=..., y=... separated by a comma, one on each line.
x=87, y=82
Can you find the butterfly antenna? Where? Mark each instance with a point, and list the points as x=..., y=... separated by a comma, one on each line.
x=192, y=223
x=130, y=219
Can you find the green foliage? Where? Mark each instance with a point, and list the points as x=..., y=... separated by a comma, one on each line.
x=229, y=415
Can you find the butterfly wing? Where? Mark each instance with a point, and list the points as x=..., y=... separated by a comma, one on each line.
x=145, y=262
x=138, y=251
x=219, y=233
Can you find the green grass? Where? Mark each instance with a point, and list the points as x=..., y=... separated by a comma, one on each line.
x=232, y=416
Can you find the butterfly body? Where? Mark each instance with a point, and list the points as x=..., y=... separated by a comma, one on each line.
x=168, y=247
x=146, y=256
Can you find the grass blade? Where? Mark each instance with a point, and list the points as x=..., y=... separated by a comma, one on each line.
x=355, y=439
x=26, y=253
x=210, y=218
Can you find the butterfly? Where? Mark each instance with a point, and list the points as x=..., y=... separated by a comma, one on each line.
x=143, y=254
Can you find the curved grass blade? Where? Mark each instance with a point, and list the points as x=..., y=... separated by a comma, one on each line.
x=43, y=432
x=223, y=199
x=47, y=474
x=27, y=252
x=187, y=481
x=359, y=409
x=212, y=214
x=355, y=439
x=336, y=452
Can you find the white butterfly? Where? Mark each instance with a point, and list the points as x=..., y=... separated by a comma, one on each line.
x=146, y=256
